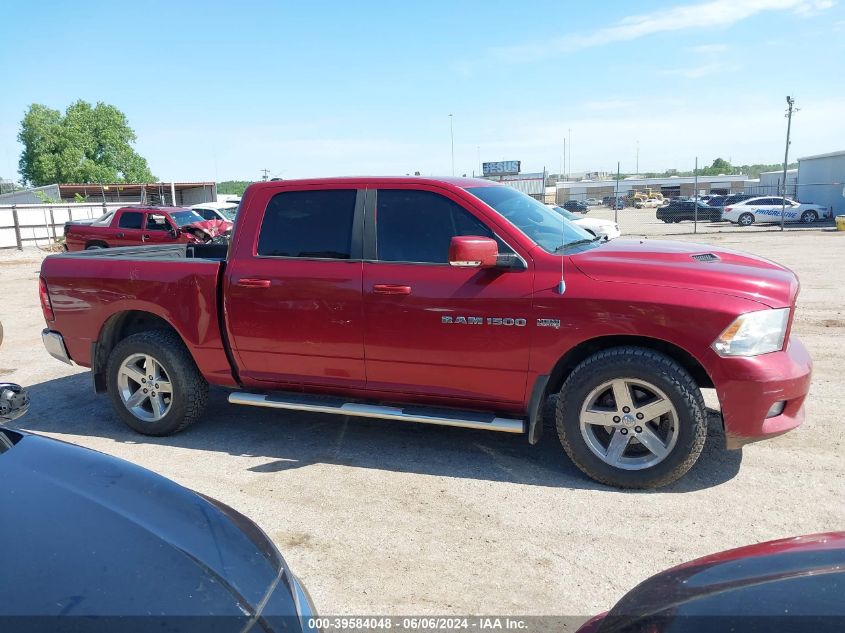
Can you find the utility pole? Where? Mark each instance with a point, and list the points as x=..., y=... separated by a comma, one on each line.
x=266, y=175
x=695, y=196
x=570, y=153
x=616, y=197
x=790, y=102
x=565, y=162
x=452, y=139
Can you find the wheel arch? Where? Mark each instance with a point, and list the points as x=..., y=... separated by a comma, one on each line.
x=585, y=349
x=116, y=328
x=99, y=243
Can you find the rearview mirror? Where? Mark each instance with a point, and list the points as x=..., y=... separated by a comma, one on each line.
x=472, y=251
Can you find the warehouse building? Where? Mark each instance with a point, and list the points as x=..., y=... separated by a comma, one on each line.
x=159, y=193
x=671, y=186
x=821, y=180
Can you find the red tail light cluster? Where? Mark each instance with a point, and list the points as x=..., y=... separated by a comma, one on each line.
x=728, y=209
x=46, y=306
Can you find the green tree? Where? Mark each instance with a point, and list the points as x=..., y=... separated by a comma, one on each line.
x=89, y=144
x=233, y=187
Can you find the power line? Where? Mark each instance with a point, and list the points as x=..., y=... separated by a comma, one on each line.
x=266, y=174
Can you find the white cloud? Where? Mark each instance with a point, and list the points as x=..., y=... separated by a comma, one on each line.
x=607, y=104
x=704, y=70
x=716, y=13
x=708, y=49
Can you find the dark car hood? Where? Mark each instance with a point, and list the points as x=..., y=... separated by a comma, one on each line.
x=671, y=264
x=86, y=534
x=742, y=589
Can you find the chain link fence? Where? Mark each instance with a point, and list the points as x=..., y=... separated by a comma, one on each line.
x=657, y=211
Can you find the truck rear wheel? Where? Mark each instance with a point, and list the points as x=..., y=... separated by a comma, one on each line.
x=154, y=384
x=631, y=417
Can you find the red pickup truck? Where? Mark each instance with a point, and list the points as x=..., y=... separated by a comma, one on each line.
x=129, y=226
x=449, y=301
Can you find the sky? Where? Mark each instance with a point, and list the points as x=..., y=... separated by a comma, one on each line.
x=222, y=90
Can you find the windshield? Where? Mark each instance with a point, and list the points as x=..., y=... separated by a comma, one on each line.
x=567, y=214
x=537, y=221
x=186, y=217
x=229, y=212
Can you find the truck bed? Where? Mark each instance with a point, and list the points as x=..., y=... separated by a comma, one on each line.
x=91, y=291
x=166, y=252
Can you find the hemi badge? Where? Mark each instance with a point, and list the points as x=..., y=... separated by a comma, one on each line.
x=555, y=323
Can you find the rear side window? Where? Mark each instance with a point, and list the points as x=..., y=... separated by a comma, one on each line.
x=315, y=224
x=131, y=220
x=418, y=226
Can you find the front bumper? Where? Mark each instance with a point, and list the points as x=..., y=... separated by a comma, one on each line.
x=750, y=387
x=55, y=345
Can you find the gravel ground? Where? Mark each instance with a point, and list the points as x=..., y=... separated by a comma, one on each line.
x=392, y=518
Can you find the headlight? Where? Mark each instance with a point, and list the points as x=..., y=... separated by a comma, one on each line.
x=753, y=333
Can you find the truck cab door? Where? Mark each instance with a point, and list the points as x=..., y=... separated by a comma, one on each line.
x=128, y=229
x=158, y=229
x=292, y=289
x=435, y=332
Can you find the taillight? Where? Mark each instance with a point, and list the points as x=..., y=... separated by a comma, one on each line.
x=46, y=306
x=728, y=209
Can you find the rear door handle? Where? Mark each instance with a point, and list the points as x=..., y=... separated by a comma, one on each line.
x=391, y=289
x=253, y=283
x=118, y=234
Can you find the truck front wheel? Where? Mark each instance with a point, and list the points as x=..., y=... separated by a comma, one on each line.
x=631, y=417
x=154, y=384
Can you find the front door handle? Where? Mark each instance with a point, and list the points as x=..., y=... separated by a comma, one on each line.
x=391, y=289
x=119, y=234
x=253, y=283
x=145, y=237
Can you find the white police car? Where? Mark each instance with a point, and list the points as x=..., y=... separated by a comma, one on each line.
x=768, y=209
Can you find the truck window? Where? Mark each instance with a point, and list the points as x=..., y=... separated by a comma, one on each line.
x=316, y=224
x=131, y=220
x=157, y=222
x=417, y=226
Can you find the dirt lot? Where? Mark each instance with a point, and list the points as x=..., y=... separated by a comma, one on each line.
x=381, y=517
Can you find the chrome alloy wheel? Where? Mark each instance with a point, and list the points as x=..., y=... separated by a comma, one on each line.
x=629, y=424
x=145, y=387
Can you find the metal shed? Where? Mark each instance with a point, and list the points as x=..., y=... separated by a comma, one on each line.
x=821, y=180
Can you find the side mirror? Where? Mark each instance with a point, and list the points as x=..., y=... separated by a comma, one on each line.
x=175, y=233
x=471, y=251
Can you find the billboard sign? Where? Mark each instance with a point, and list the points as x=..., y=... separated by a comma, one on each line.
x=501, y=168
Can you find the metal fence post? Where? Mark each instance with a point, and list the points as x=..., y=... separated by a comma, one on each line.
x=17, y=227
x=53, y=224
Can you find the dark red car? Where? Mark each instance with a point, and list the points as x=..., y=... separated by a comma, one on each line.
x=131, y=226
x=794, y=584
x=450, y=301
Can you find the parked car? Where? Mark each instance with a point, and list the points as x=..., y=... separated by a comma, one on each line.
x=224, y=211
x=101, y=542
x=510, y=306
x=648, y=203
x=715, y=201
x=130, y=226
x=793, y=584
x=680, y=211
x=769, y=209
x=576, y=206
x=605, y=229
x=592, y=202
x=737, y=197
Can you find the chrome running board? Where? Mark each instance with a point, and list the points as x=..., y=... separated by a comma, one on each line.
x=442, y=417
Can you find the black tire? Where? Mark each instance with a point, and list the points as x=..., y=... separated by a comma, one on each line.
x=808, y=217
x=190, y=389
x=640, y=364
x=748, y=219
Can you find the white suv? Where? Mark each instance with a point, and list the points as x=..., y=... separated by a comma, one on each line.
x=768, y=209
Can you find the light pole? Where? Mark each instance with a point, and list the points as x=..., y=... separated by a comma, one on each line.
x=569, y=161
x=790, y=102
x=452, y=139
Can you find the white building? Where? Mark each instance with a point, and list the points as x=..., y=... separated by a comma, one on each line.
x=669, y=186
x=821, y=180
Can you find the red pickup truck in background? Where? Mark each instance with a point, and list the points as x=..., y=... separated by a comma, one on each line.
x=131, y=226
x=450, y=301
